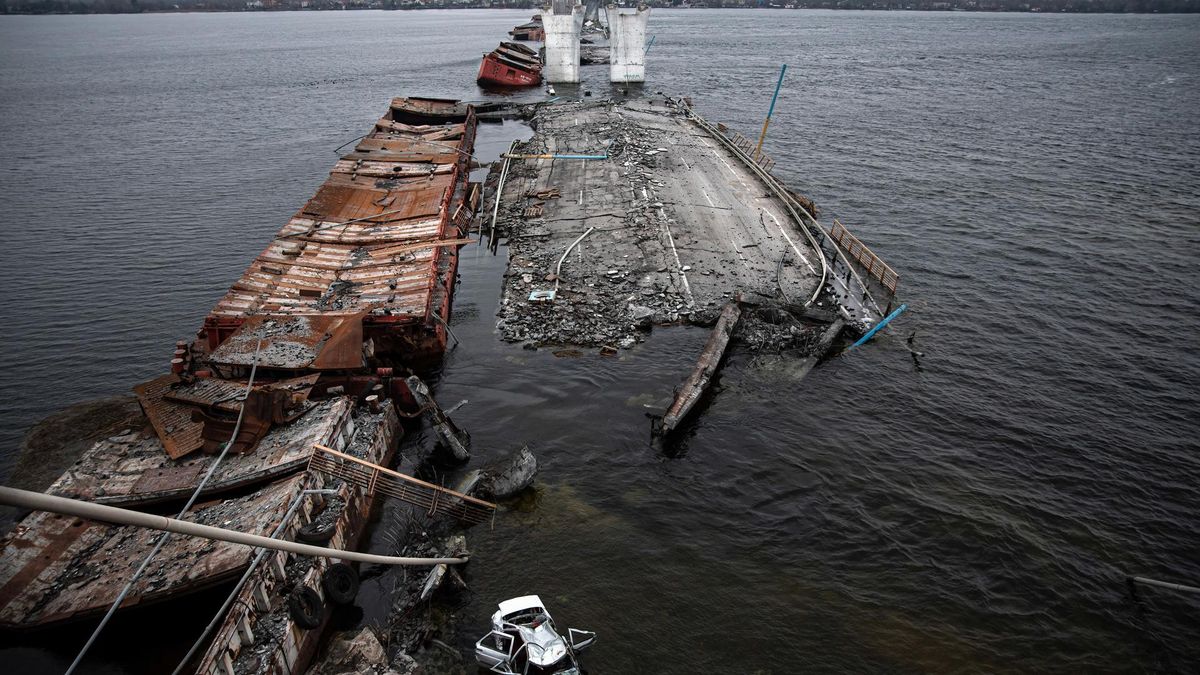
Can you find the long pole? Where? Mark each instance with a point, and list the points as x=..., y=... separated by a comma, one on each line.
x=1165, y=584
x=770, y=111
x=499, y=190
x=38, y=501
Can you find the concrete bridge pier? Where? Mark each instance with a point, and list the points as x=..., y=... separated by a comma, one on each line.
x=627, y=40
x=562, y=25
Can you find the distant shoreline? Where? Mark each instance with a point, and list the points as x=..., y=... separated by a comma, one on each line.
x=78, y=7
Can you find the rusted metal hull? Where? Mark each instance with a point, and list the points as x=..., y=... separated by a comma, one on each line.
x=258, y=635
x=374, y=251
x=356, y=286
x=493, y=71
x=710, y=359
x=55, y=569
x=510, y=65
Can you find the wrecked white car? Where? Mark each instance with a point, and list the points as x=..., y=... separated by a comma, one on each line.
x=524, y=640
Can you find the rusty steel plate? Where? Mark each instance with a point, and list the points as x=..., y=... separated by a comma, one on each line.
x=226, y=395
x=132, y=470
x=172, y=421
x=170, y=478
x=321, y=342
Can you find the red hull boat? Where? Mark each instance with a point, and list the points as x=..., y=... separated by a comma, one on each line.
x=531, y=31
x=510, y=65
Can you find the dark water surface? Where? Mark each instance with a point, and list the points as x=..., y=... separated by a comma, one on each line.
x=1032, y=178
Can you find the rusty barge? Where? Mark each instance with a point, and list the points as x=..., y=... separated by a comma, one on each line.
x=308, y=349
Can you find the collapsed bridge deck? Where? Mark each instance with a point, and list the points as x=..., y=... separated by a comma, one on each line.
x=679, y=226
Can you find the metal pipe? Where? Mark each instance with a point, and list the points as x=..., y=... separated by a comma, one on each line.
x=262, y=553
x=1165, y=584
x=448, y=330
x=500, y=190
x=558, y=268
x=162, y=540
x=770, y=111
x=25, y=499
x=878, y=327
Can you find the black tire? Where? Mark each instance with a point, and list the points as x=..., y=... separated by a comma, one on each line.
x=315, y=533
x=305, y=608
x=340, y=582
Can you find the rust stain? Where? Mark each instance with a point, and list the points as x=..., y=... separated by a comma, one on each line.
x=315, y=342
x=378, y=238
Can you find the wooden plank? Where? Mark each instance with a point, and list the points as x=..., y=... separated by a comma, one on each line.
x=710, y=359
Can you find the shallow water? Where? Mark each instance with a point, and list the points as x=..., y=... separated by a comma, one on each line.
x=1032, y=178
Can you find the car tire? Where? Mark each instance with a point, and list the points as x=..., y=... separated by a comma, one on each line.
x=315, y=533
x=305, y=608
x=340, y=582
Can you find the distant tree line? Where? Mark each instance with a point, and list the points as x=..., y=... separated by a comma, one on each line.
x=136, y=6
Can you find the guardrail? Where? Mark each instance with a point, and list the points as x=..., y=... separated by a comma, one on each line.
x=747, y=146
x=374, y=478
x=872, y=263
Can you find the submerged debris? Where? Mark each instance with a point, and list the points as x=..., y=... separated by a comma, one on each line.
x=509, y=476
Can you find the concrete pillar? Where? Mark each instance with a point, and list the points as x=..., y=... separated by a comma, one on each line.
x=627, y=39
x=562, y=24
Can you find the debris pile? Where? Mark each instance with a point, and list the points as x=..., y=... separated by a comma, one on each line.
x=603, y=299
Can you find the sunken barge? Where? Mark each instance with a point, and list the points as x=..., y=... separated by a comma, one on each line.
x=279, y=413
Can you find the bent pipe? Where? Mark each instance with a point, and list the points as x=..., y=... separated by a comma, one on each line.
x=37, y=501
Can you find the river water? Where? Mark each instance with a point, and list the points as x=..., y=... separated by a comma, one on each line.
x=1032, y=178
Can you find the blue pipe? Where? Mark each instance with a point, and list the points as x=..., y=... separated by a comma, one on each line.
x=651, y=44
x=777, y=87
x=878, y=326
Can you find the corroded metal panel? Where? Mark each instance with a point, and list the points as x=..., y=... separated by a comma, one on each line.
x=225, y=395
x=318, y=342
x=173, y=422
